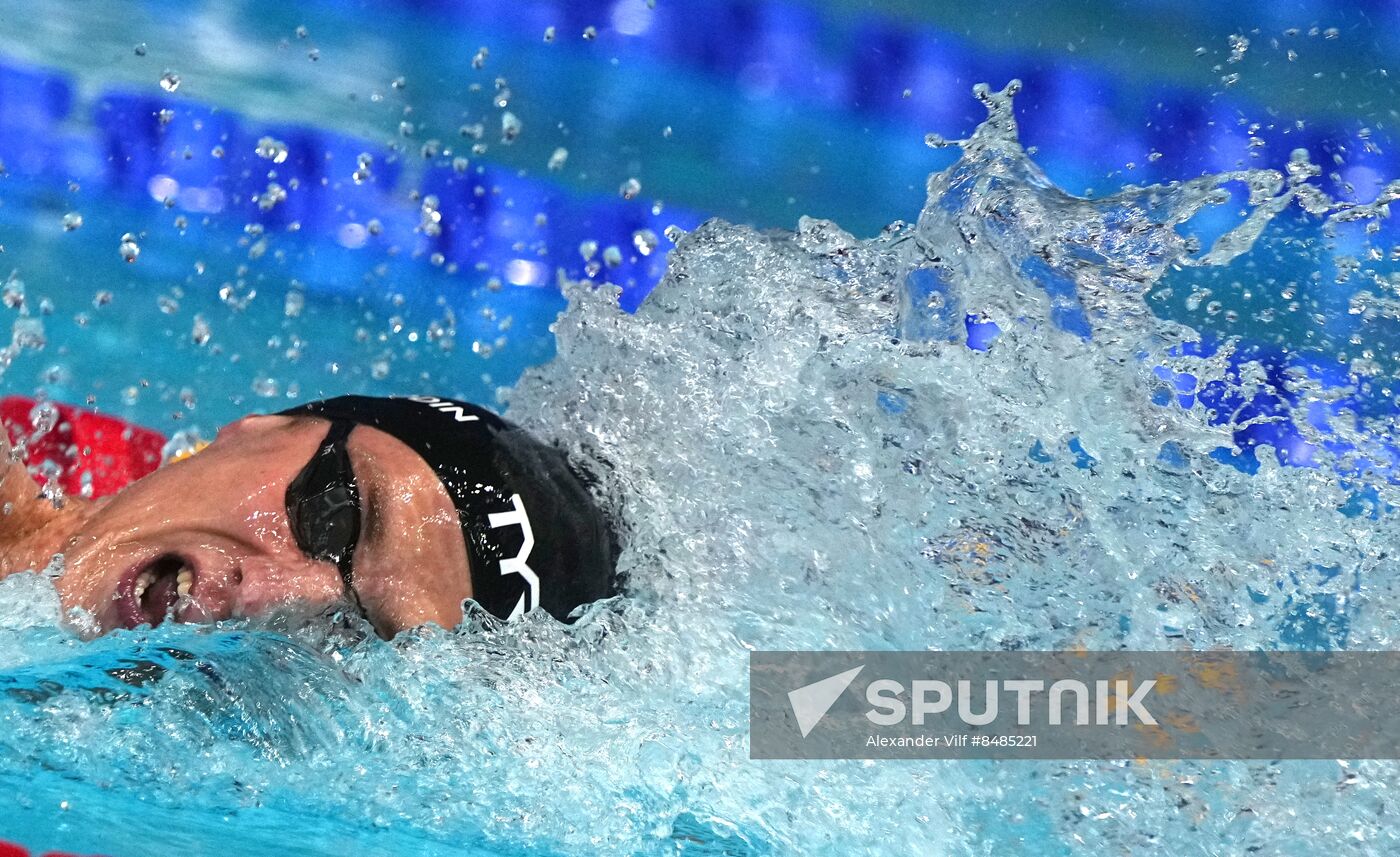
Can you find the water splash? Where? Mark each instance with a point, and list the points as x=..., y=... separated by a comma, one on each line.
x=805, y=453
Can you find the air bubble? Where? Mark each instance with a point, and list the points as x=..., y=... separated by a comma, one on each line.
x=630, y=189
x=558, y=159
x=71, y=221
x=170, y=81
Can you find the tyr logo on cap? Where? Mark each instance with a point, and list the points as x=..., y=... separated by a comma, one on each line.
x=520, y=563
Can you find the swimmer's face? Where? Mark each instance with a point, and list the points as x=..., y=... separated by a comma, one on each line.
x=208, y=538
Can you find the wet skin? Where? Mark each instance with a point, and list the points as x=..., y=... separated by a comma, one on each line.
x=207, y=538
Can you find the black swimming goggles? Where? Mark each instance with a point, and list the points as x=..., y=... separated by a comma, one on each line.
x=323, y=506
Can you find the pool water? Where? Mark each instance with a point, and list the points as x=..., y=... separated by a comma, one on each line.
x=1154, y=419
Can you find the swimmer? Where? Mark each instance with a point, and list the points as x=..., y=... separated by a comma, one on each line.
x=404, y=508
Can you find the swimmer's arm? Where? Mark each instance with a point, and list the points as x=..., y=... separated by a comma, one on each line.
x=32, y=527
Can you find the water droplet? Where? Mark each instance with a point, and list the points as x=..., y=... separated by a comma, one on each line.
x=479, y=61
x=645, y=241
x=1239, y=44
x=217, y=151
x=101, y=299
x=510, y=127
x=302, y=32
x=362, y=172
x=14, y=292
x=141, y=49
x=558, y=159
x=200, y=333
x=549, y=34
x=170, y=81
x=398, y=82
x=374, y=227
x=72, y=220
x=266, y=387
x=590, y=33
x=630, y=189
x=294, y=303
x=473, y=131
x=272, y=149
x=431, y=149
x=129, y=248
x=406, y=128
x=460, y=164
x=430, y=219
x=313, y=54
x=587, y=248
x=673, y=233
x=167, y=304
x=164, y=116
x=612, y=256
x=269, y=198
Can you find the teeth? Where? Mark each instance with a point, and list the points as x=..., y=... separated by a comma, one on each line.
x=143, y=583
x=183, y=583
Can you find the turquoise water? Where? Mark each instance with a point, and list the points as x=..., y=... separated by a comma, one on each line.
x=804, y=449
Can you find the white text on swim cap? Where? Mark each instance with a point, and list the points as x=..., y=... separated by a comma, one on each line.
x=519, y=564
x=456, y=411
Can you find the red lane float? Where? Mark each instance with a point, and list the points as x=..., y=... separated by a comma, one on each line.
x=10, y=850
x=86, y=446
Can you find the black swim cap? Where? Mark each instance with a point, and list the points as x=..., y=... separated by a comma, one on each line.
x=534, y=535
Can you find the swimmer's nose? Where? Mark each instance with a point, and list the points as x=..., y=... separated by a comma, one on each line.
x=268, y=584
x=253, y=423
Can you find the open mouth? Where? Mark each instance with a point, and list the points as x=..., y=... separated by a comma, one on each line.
x=154, y=590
